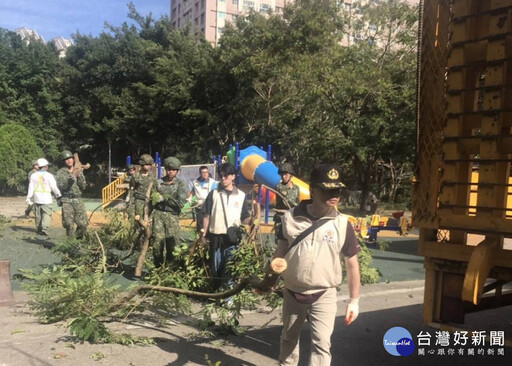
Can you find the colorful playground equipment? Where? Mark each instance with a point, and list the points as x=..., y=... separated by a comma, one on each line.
x=379, y=223
x=254, y=166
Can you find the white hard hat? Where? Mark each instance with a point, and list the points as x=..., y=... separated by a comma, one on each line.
x=42, y=162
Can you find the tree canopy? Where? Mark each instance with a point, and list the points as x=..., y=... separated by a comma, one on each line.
x=290, y=80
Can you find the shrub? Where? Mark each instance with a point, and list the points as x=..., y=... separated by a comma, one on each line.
x=17, y=151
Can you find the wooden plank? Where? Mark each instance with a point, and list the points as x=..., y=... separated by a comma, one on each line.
x=498, y=4
x=472, y=145
x=479, y=266
x=454, y=252
x=462, y=253
x=429, y=295
x=452, y=307
x=461, y=8
x=476, y=224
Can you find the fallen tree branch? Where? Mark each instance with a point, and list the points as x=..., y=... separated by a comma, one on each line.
x=244, y=282
x=103, y=256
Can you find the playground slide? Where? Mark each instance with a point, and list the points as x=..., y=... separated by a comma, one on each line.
x=256, y=168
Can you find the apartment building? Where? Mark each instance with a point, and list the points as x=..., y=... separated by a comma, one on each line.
x=211, y=16
x=29, y=35
x=351, y=8
x=60, y=43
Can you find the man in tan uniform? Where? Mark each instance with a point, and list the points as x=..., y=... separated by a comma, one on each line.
x=314, y=267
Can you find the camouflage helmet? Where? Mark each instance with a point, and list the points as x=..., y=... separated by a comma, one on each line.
x=172, y=163
x=130, y=166
x=145, y=159
x=66, y=154
x=285, y=168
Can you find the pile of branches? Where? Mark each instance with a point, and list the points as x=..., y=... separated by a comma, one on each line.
x=82, y=290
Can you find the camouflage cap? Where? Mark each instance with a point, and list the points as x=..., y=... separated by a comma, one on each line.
x=172, y=163
x=326, y=176
x=285, y=168
x=146, y=159
x=66, y=154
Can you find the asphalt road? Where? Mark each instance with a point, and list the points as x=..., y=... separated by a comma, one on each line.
x=394, y=302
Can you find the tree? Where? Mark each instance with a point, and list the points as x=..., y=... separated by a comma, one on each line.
x=289, y=81
x=138, y=86
x=364, y=112
x=28, y=90
x=263, y=74
x=17, y=151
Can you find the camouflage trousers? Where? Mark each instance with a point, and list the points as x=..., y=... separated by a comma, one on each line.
x=165, y=234
x=73, y=212
x=278, y=225
x=43, y=215
x=137, y=207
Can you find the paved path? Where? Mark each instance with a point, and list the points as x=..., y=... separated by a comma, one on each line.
x=26, y=342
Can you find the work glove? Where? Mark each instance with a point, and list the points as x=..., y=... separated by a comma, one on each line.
x=127, y=199
x=29, y=202
x=59, y=201
x=352, y=310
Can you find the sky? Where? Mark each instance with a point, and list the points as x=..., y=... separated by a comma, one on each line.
x=61, y=18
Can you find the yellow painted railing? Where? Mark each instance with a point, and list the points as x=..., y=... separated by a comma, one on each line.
x=112, y=191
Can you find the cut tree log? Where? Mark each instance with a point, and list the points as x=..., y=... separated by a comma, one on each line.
x=78, y=167
x=146, y=225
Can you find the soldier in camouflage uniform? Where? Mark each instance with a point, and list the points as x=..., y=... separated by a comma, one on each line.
x=289, y=192
x=170, y=195
x=126, y=180
x=71, y=187
x=139, y=184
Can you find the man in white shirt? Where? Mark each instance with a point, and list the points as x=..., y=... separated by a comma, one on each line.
x=201, y=186
x=224, y=207
x=40, y=189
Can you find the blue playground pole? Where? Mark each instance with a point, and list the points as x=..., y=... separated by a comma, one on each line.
x=128, y=160
x=158, y=170
x=267, y=193
x=237, y=155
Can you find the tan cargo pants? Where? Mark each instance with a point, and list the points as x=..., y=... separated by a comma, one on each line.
x=321, y=316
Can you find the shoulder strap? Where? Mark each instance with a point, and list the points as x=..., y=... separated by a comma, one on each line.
x=306, y=232
x=223, y=209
